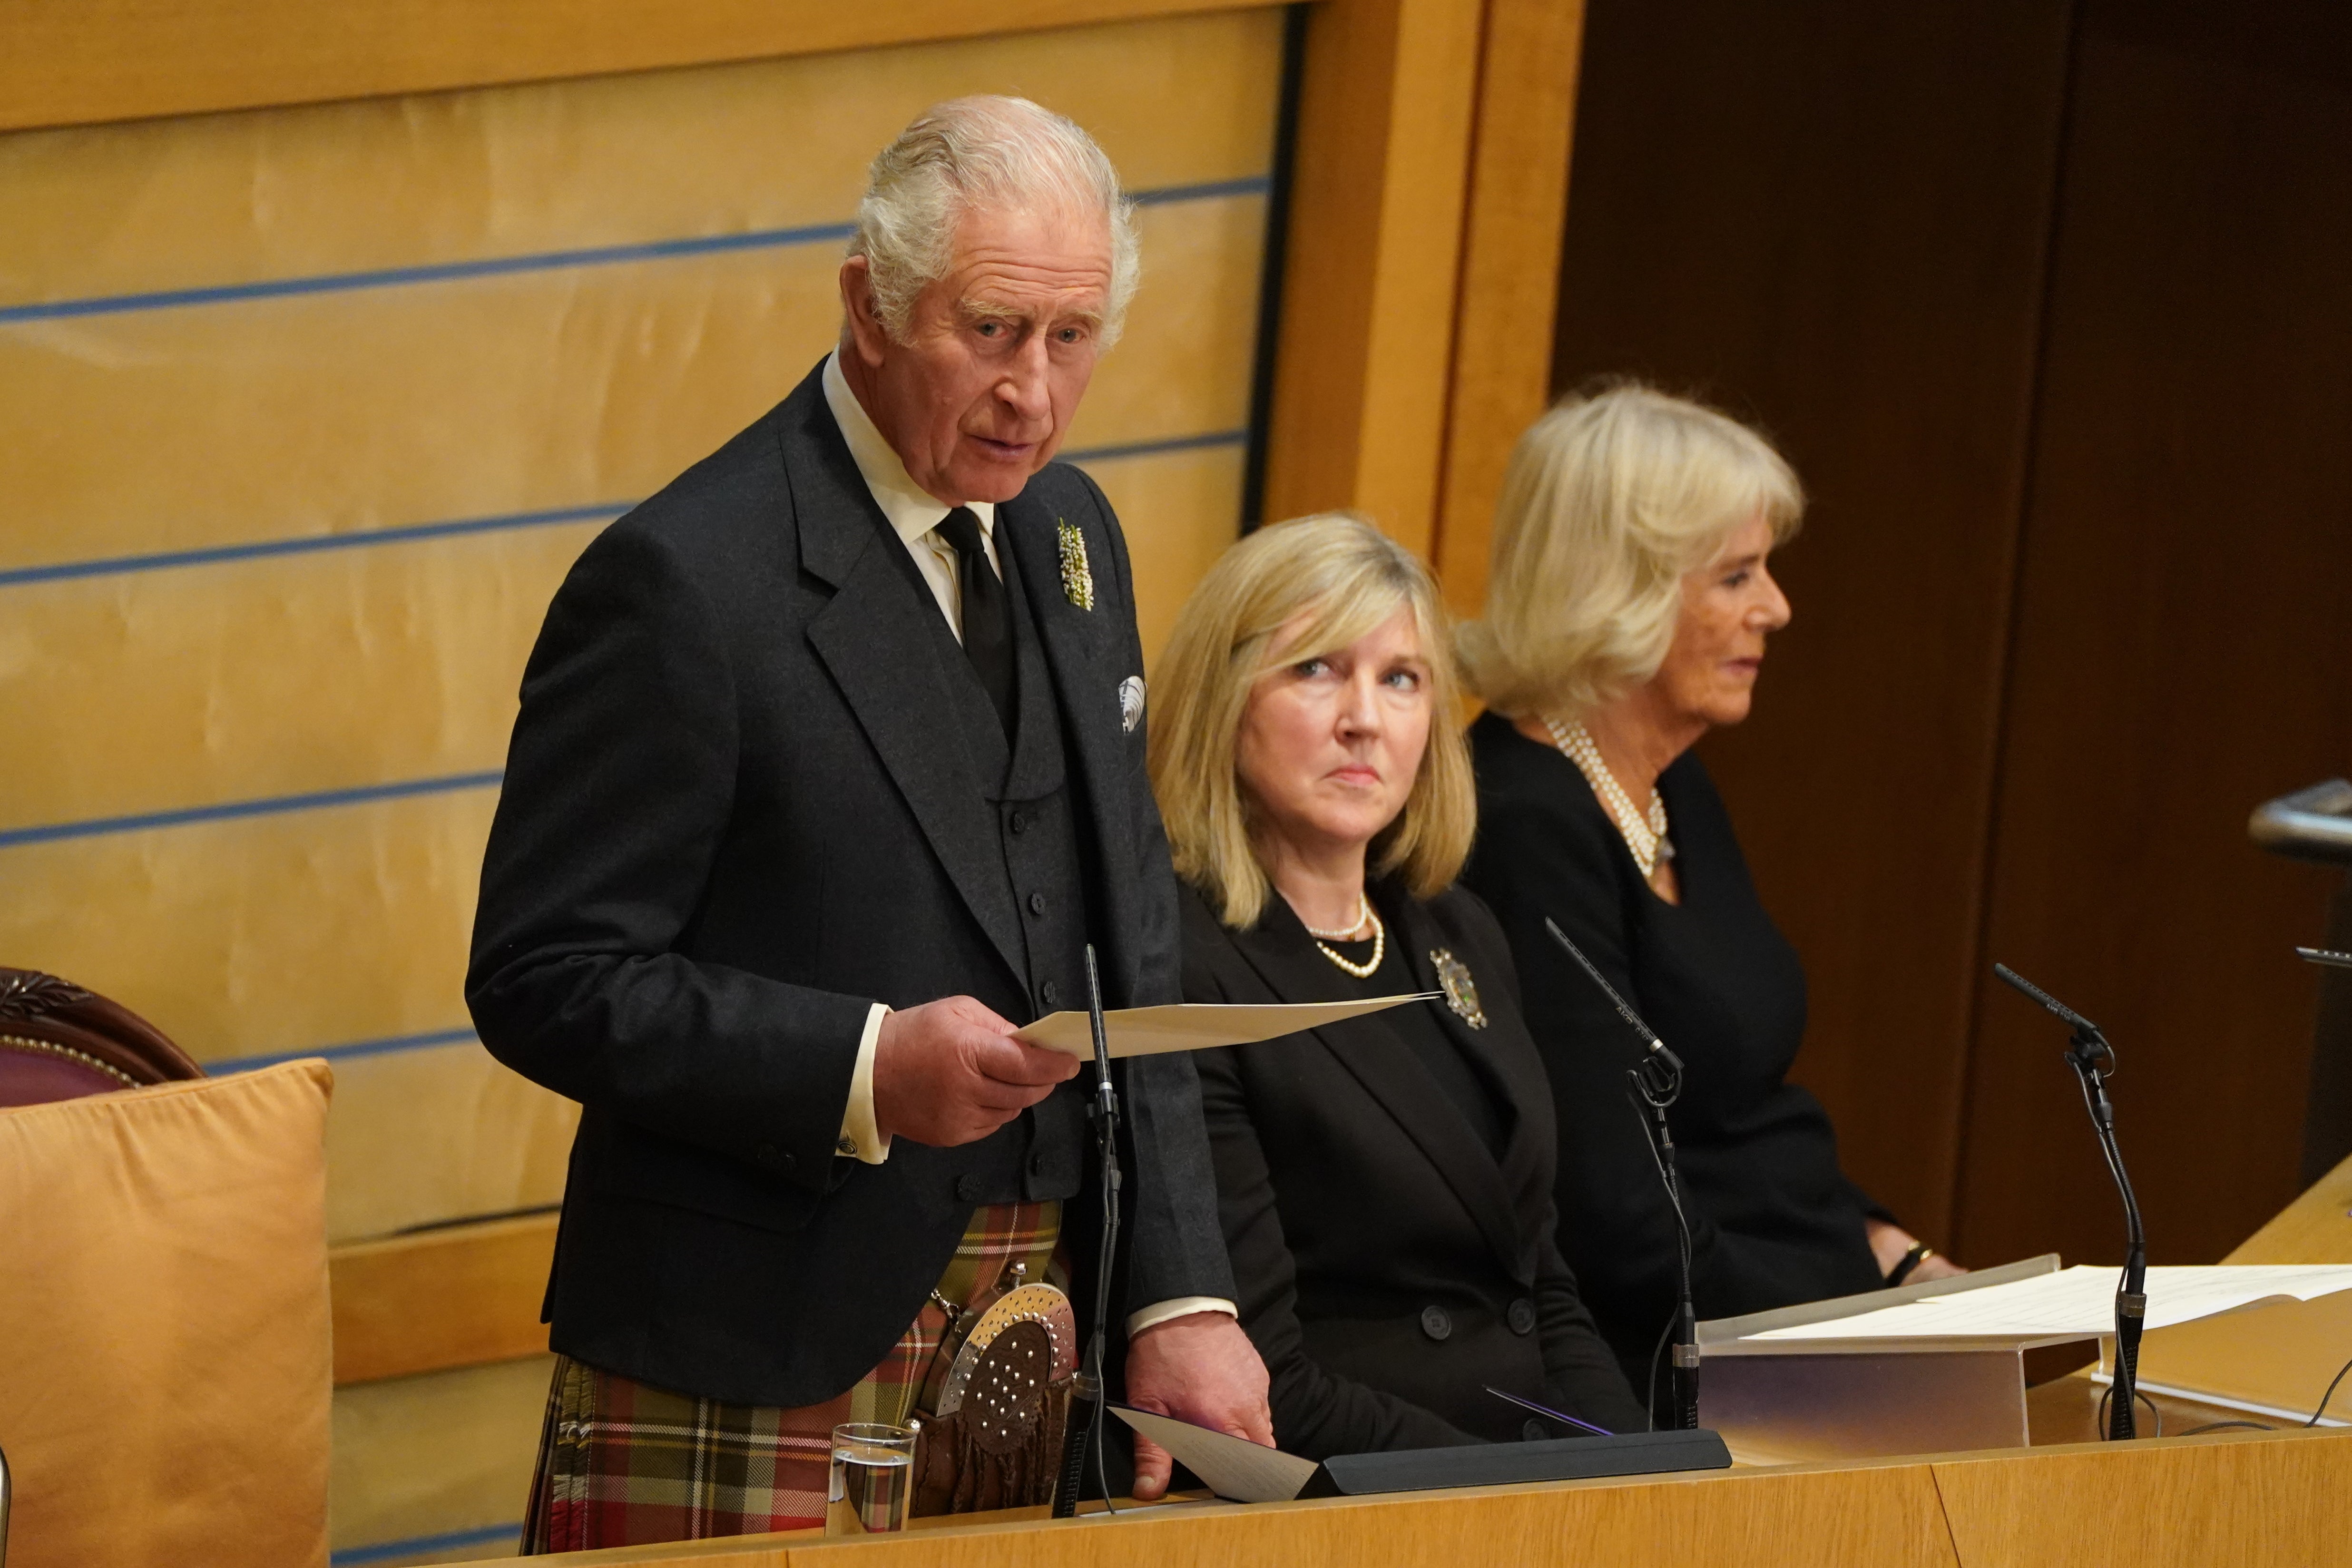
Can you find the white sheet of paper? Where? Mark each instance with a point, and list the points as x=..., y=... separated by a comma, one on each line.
x=1195, y=1026
x=2078, y=1300
x=1233, y=1467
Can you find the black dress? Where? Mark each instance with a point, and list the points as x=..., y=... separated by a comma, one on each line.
x=1385, y=1186
x=1773, y=1220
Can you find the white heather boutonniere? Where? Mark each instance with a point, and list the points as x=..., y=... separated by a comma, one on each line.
x=1077, y=577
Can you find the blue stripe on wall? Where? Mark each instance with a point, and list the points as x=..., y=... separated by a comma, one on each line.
x=109, y=565
x=270, y=805
x=106, y=566
x=418, y=1545
x=1157, y=448
x=390, y=1044
x=1206, y=191
x=440, y=272
x=500, y=266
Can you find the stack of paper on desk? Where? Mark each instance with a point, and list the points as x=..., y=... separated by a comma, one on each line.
x=2078, y=1300
x=1195, y=1026
x=2275, y=1359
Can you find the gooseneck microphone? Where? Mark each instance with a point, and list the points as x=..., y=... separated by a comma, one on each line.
x=1083, y=1433
x=1653, y=1086
x=2094, y=1061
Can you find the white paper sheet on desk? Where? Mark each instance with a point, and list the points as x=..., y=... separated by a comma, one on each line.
x=1195, y=1026
x=1233, y=1467
x=2081, y=1299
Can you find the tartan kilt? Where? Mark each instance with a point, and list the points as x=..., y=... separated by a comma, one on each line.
x=622, y=1463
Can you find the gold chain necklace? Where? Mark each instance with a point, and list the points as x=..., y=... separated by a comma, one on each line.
x=1379, y=946
x=1645, y=832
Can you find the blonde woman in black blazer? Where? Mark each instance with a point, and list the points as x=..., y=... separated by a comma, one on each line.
x=1384, y=1184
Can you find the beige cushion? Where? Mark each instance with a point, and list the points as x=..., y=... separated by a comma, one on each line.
x=164, y=1361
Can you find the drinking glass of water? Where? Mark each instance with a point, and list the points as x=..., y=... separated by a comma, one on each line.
x=873, y=1478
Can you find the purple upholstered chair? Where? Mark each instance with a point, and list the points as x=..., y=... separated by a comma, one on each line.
x=58, y=1041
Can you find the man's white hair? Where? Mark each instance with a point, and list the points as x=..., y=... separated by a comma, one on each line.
x=974, y=152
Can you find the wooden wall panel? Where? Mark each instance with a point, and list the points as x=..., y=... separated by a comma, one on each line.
x=1501, y=377
x=1828, y=216
x=72, y=62
x=440, y=1299
x=1385, y=111
x=2184, y=641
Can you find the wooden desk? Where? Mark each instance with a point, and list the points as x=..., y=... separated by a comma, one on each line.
x=2066, y=1410
x=2252, y=1497
x=2315, y=1228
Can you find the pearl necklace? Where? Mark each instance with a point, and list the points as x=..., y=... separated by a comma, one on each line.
x=1347, y=933
x=1644, y=833
x=1364, y=913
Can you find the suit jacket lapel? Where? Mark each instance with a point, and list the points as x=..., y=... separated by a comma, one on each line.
x=878, y=639
x=1517, y=1077
x=1081, y=652
x=1371, y=1052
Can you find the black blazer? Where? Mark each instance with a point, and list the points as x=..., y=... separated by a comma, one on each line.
x=1773, y=1220
x=1362, y=1212
x=736, y=813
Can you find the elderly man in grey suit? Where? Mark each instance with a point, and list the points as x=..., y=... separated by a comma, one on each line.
x=829, y=767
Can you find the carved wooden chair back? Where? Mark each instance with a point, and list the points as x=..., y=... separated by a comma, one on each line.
x=58, y=1041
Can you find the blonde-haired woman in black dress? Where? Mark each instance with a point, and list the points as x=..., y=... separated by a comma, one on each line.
x=1630, y=602
x=1385, y=1184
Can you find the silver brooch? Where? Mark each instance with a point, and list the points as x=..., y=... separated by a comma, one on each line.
x=1077, y=578
x=1460, y=991
x=1130, y=703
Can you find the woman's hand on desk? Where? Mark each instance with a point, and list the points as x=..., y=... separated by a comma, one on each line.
x=1891, y=1244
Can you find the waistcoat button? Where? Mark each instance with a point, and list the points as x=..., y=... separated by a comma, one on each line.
x=1435, y=1324
x=1523, y=1316
x=1050, y=993
x=1532, y=1430
x=967, y=1189
x=1036, y=904
x=1019, y=822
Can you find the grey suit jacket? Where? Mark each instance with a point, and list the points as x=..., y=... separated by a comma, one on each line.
x=733, y=818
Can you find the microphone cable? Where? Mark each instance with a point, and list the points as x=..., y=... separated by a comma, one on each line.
x=1655, y=1085
x=2259, y=1427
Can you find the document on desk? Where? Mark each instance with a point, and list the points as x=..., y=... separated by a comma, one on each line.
x=2077, y=1300
x=1233, y=1467
x=1196, y=1026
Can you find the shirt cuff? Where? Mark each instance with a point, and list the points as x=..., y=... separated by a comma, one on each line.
x=859, y=1136
x=1159, y=1312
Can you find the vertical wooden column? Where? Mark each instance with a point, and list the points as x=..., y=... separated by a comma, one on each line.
x=1509, y=292
x=1385, y=112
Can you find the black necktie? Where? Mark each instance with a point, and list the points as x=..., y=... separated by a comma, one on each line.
x=987, y=633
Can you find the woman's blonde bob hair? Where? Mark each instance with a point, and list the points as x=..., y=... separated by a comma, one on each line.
x=1610, y=498
x=1347, y=579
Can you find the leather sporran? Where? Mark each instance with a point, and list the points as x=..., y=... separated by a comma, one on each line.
x=995, y=1403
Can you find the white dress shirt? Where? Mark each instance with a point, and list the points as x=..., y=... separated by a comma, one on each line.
x=915, y=514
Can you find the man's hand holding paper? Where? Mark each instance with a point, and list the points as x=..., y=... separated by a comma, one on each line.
x=951, y=1072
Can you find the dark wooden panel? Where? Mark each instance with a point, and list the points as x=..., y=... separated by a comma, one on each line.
x=1830, y=216
x=2184, y=631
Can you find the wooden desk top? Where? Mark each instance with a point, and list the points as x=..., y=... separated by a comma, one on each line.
x=2315, y=1228
x=2249, y=1498
x=2254, y=1498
